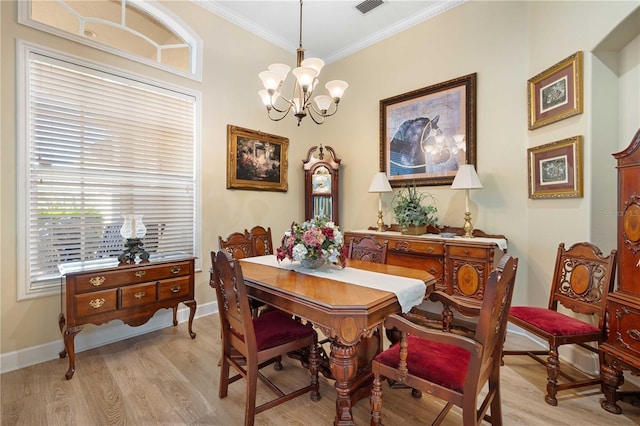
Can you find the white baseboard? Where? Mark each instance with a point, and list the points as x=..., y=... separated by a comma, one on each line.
x=115, y=331
x=93, y=337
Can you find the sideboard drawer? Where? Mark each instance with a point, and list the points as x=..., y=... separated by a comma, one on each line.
x=176, y=287
x=417, y=247
x=467, y=252
x=137, y=295
x=95, y=303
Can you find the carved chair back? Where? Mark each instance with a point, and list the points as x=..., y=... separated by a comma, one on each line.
x=368, y=249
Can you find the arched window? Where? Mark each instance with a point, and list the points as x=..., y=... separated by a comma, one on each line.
x=139, y=30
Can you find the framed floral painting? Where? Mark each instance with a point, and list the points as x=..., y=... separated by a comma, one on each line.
x=555, y=169
x=256, y=160
x=556, y=93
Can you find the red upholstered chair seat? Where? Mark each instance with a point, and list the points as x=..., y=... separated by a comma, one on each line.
x=274, y=328
x=439, y=363
x=552, y=322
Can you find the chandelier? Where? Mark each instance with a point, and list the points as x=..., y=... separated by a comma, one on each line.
x=306, y=78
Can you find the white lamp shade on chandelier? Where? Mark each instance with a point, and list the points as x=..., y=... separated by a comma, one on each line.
x=306, y=79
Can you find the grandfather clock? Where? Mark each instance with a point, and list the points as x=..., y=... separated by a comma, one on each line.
x=321, y=182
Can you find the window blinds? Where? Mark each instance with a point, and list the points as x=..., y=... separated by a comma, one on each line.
x=100, y=146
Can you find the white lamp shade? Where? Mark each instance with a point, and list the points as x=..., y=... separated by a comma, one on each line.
x=323, y=102
x=380, y=183
x=305, y=76
x=466, y=178
x=270, y=79
x=336, y=88
x=314, y=63
x=281, y=69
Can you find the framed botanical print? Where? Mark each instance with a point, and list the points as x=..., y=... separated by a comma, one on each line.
x=426, y=134
x=256, y=160
x=555, y=169
x=556, y=93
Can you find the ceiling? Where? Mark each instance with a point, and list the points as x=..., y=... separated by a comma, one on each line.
x=331, y=30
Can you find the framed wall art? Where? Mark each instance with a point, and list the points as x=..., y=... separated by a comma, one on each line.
x=426, y=134
x=256, y=160
x=556, y=93
x=555, y=169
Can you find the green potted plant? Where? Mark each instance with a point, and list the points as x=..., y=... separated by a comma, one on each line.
x=411, y=211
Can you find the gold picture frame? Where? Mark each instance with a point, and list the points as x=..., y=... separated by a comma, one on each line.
x=555, y=169
x=556, y=93
x=426, y=134
x=256, y=160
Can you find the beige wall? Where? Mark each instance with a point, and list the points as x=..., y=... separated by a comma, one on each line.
x=505, y=43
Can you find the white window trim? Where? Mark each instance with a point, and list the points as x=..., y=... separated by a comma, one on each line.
x=23, y=51
x=153, y=8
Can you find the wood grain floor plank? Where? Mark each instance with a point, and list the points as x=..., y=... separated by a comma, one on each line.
x=166, y=378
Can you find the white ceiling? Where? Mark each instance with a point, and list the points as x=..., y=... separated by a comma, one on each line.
x=330, y=29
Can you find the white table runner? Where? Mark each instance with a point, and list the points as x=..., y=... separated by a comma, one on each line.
x=409, y=291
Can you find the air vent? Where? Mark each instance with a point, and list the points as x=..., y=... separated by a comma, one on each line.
x=368, y=5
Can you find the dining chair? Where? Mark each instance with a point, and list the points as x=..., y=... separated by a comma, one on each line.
x=261, y=241
x=237, y=245
x=368, y=249
x=582, y=278
x=468, y=309
x=449, y=366
x=249, y=344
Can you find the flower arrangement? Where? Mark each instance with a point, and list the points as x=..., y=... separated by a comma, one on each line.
x=315, y=240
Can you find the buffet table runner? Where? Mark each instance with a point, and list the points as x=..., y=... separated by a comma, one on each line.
x=409, y=291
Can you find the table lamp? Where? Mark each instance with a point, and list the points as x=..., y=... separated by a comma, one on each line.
x=380, y=184
x=466, y=178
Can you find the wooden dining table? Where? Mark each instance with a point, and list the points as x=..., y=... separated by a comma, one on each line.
x=351, y=315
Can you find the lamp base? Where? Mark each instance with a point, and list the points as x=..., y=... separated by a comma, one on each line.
x=468, y=227
x=380, y=222
x=133, y=248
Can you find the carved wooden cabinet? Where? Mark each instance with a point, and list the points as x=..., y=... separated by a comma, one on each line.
x=95, y=294
x=321, y=184
x=621, y=351
x=461, y=266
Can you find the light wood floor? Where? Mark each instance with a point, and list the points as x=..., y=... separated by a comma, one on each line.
x=165, y=378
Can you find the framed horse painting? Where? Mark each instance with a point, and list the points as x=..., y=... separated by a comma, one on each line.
x=427, y=134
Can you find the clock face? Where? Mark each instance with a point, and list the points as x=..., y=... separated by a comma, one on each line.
x=321, y=183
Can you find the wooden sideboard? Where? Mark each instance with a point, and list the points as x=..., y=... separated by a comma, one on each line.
x=621, y=350
x=94, y=293
x=460, y=265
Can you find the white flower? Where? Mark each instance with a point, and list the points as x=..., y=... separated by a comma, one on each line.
x=299, y=252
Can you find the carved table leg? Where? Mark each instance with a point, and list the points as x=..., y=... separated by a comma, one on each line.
x=175, y=315
x=612, y=379
x=69, y=346
x=192, y=312
x=344, y=365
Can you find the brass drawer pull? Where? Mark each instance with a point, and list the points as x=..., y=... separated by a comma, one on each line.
x=466, y=252
x=96, y=303
x=97, y=281
x=175, y=269
x=141, y=273
x=175, y=288
x=634, y=334
x=430, y=250
x=140, y=295
x=433, y=271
